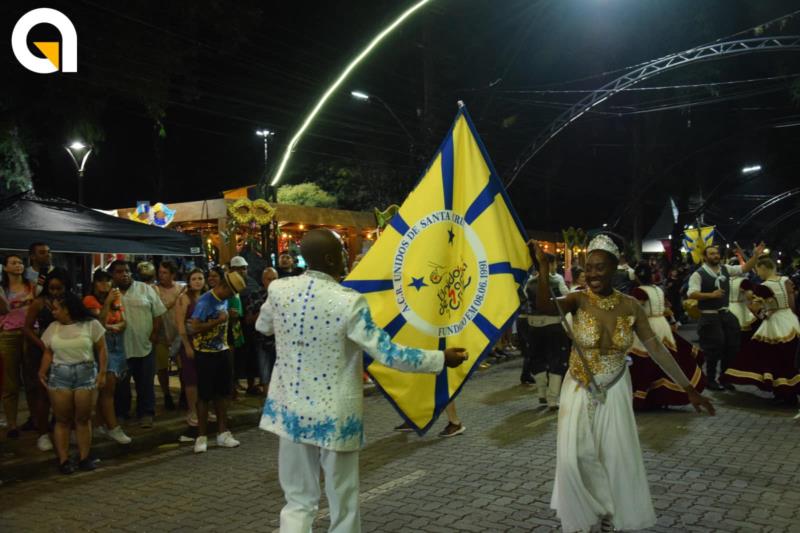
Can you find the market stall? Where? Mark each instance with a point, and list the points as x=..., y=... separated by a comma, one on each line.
x=236, y=224
x=72, y=228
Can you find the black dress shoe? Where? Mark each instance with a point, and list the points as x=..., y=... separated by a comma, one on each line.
x=66, y=467
x=728, y=386
x=713, y=385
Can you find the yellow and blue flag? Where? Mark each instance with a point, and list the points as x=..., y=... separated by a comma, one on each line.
x=698, y=239
x=445, y=272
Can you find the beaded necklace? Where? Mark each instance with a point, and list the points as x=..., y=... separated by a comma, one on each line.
x=606, y=303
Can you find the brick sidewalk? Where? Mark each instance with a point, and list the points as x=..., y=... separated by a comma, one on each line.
x=739, y=471
x=20, y=459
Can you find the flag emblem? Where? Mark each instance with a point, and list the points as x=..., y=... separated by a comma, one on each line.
x=440, y=299
x=445, y=272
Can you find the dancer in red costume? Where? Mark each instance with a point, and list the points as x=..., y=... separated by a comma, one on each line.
x=652, y=388
x=739, y=307
x=768, y=359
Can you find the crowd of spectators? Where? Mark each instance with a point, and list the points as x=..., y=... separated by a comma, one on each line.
x=89, y=364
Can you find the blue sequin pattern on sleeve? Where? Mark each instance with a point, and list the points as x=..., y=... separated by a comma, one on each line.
x=392, y=353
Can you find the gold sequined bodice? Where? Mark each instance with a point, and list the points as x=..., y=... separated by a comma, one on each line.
x=603, y=327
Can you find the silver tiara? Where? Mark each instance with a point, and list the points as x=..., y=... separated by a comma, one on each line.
x=604, y=242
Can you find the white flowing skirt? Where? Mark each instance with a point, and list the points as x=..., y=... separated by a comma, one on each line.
x=599, y=466
x=782, y=326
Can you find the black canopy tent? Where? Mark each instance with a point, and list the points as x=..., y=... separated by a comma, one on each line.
x=72, y=228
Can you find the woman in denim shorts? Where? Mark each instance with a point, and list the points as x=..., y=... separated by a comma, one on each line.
x=70, y=373
x=105, y=303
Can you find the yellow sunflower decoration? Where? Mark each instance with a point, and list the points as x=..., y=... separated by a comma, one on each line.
x=263, y=213
x=243, y=211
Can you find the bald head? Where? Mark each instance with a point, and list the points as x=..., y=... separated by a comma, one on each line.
x=268, y=276
x=322, y=251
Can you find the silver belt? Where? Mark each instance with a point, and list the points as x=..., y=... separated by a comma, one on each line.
x=605, y=388
x=713, y=311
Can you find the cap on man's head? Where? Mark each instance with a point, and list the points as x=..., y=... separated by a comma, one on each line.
x=238, y=261
x=146, y=268
x=235, y=281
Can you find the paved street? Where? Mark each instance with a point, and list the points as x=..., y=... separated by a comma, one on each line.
x=739, y=471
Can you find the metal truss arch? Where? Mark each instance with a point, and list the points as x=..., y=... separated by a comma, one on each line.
x=644, y=72
x=777, y=222
x=764, y=206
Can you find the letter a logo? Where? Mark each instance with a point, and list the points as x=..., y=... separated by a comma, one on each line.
x=61, y=56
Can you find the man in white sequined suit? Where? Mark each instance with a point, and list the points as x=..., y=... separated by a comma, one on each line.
x=315, y=397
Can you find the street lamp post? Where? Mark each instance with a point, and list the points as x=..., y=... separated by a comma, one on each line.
x=268, y=193
x=79, y=151
x=262, y=183
x=359, y=95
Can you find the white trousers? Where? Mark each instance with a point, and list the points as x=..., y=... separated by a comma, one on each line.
x=298, y=470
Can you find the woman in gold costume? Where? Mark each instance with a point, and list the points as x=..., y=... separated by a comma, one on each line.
x=600, y=474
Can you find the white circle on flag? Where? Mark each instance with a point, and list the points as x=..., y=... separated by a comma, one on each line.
x=481, y=266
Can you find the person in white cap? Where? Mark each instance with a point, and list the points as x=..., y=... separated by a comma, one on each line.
x=600, y=474
x=245, y=356
x=238, y=262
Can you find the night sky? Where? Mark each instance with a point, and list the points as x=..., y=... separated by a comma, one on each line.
x=171, y=93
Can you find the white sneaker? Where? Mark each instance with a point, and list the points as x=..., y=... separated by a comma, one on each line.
x=200, y=445
x=797, y=416
x=44, y=443
x=100, y=430
x=118, y=435
x=226, y=440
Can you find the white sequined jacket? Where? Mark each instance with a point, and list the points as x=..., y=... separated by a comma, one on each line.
x=321, y=331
